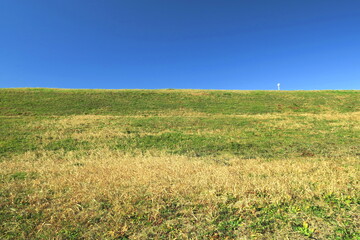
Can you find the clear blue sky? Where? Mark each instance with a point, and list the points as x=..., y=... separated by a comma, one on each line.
x=197, y=44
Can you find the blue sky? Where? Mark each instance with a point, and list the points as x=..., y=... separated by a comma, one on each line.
x=202, y=44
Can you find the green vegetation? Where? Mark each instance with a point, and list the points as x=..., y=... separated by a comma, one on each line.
x=40, y=102
x=140, y=164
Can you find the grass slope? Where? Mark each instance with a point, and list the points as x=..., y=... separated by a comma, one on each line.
x=139, y=164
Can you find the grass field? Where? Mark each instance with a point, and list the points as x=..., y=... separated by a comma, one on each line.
x=179, y=164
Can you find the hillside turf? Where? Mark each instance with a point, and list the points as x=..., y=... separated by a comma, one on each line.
x=179, y=164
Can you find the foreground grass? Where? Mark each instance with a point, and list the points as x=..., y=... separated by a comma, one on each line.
x=179, y=164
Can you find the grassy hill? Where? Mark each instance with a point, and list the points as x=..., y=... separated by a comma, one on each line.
x=39, y=101
x=139, y=164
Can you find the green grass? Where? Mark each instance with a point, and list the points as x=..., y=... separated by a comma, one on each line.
x=242, y=136
x=177, y=164
x=15, y=102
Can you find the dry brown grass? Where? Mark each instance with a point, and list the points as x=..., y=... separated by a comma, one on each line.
x=71, y=189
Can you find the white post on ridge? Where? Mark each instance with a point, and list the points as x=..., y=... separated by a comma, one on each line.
x=278, y=86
